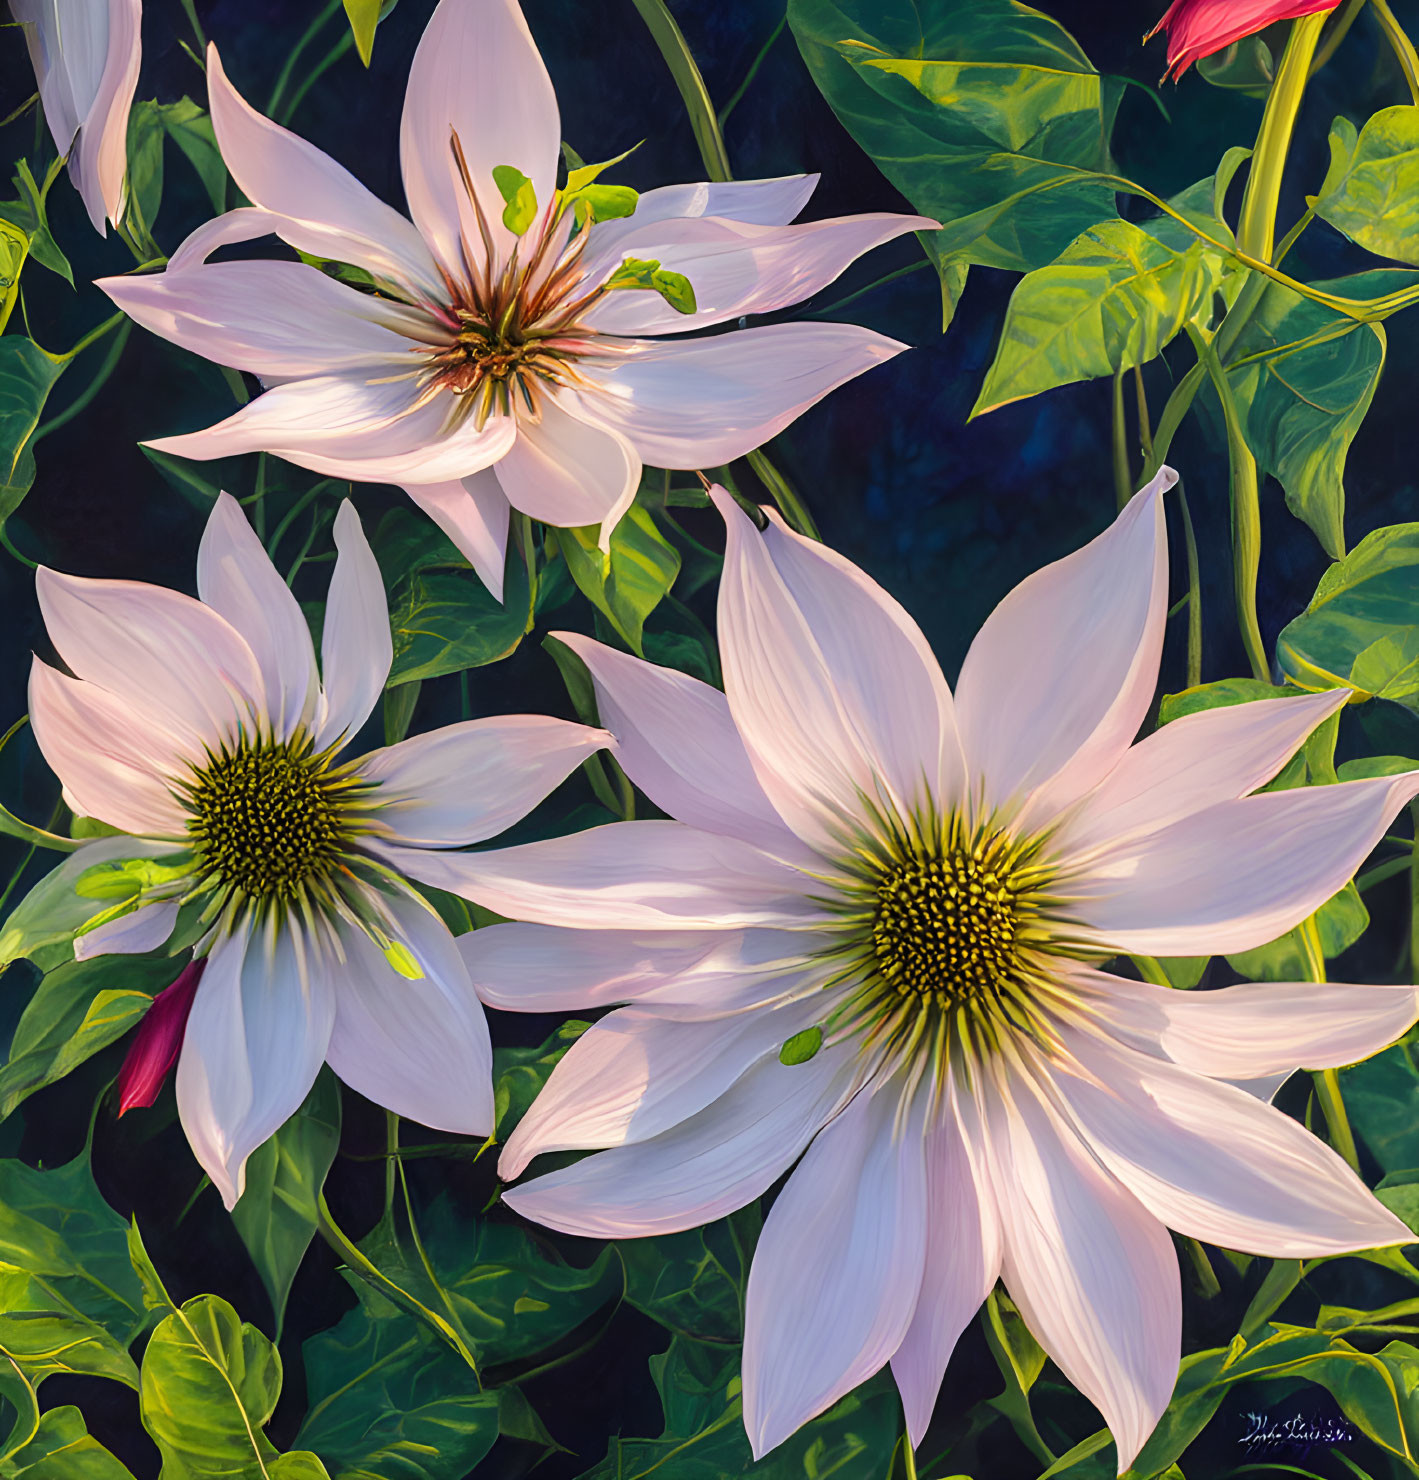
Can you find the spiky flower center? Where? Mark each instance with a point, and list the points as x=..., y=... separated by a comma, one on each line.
x=270, y=819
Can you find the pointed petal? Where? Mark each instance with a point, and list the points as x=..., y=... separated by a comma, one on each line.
x=421, y=1047
x=1238, y=874
x=1034, y=711
x=705, y=1167
x=962, y=1265
x=99, y=164
x=473, y=513
x=349, y=426
x=697, y=403
x=114, y=765
x=834, y=690
x=236, y=579
x=838, y=1267
x=1214, y=1162
x=477, y=73
x=565, y=469
x=356, y=647
x=676, y=739
x=145, y=929
x=626, y=875
x=165, y=655
x=158, y=1041
x=67, y=75
x=270, y=318
x=255, y=1041
x=1256, y=1029
x=1093, y=1272
x=470, y=781
x=736, y=268
x=637, y=1073
x=1213, y=756
x=544, y=968
x=324, y=210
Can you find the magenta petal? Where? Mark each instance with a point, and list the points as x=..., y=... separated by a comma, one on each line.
x=158, y=1041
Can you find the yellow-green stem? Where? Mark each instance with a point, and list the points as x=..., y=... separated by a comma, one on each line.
x=1194, y=594
x=1123, y=479
x=1327, y=1081
x=1339, y=30
x=1400, y=45
x=1202, y=1268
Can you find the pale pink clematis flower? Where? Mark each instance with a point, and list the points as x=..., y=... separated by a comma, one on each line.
x=86, y=55
x=1198, y=28
x=500, y=369
x=204, y=731
x=873, y=938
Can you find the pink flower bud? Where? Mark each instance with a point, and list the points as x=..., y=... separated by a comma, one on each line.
x=1197, y=28
x=158, y=1041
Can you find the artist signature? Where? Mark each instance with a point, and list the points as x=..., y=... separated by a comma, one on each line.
x=1299, y=1433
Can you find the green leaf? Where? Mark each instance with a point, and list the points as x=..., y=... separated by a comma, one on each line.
x=389, y=1399
x=693, y=1283
x=1245, y=66
x=145, y=160
x=1375, y=201
x=277, y=1216
x=520, y=1073
x=1219, y=695
x=608, y=203
x=1380, y=1095
x=190, y=127
x=802, y=1046
x=637, y=273
x=27, y=375
x=55, y=1224
x=14, y=248
x=1302, y=408
x=209, y=1386
x=519, y=197
x=364, y=17
x=43, y=1334
x=968, y=106
x=1112, y=300
x=78, y=1009
x=581, y=175
x=1361, y=629
x=1341, y=921
x=445, y=621
x=27, y=213
x=1399, y=1192
x=627, y=584
x=63, y=1449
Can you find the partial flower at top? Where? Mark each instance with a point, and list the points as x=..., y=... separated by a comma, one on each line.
x=86, y=55
x=502, y=359
x=205, y=733
x=1198, y=28
x=874, y=938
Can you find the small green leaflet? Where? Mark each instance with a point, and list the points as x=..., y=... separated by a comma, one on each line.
x=673, y=287
x=802, y=1046
x=520, y=199
x=364, y=17
x=126, y=878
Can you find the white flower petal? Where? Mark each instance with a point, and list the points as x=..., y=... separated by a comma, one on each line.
x=130, y=935
x=236, y=579
x=838, y=1267
x=473, y=513
x=626, y=875
x=697, y=403
x=1214, y=1162
x=736, y=268
x=68, y=74
x=99, y=165
x=350, y=426
x=636, y=1073
x=545, y=968
x=470, y=781
x=676, y=740
x=838, y=698
x=114, y=764
x=324, y=210
x=565, y=469
x=421, y=1047
x=962, y=1265
x=1213, y=756
x=1059, y=678
x=1238, y=874
x=1093, y=1272
x=168, y=657
x=356, y=647
x=270, y=318
x=1256, y=1029
x=255, y=1041
x=705, y=1167
x=477, y=73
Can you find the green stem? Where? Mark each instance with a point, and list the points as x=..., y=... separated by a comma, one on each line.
x=1256, y=228
x=1344, y=19
x=1327, y=1081
x=668, y=36
x=191, y=11
x=1145, y=422
x=333, y=1235
x=302, y=503
x=1123, y=479
x=753, y=72
x=908, y=1457
x=311, y=32
x=86, y=396
x=793, y=509
x=891, y=277
x=1194, y=594
x=527, y=540
x=1202, y=1268
x=1400, y=44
